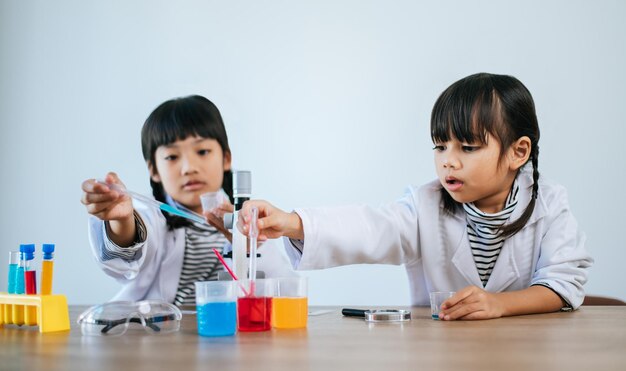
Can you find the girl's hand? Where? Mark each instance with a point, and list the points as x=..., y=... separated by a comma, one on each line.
x=470, y=303
x=272, y=223
x=105, y=203
x=215, y=217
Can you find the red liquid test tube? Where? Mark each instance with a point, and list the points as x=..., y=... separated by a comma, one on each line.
x=30, y=282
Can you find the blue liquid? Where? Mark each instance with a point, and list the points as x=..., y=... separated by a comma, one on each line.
x=175, y=211
x=19, y=280
x=435, y=316
x=217, y=319
x=12, y=278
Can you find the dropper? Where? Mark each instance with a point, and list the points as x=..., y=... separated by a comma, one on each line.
x=254, y=234
x=154, y=203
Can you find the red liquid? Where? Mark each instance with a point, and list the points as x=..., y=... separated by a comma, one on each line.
x=254, y=313
x=30, y=282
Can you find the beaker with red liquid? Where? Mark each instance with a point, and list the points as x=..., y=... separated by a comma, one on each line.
x=254, y=305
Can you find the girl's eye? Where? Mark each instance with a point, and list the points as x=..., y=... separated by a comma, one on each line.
x=439, y=148
x=470, y=148
x=170, y=157
x=204, y=152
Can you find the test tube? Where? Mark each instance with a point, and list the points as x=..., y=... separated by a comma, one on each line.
x=30, y=276
x=30, y=284
x=14, y=262
x=47, y=268
x=19, y=275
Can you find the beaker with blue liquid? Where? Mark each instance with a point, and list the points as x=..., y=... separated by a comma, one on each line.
x=216, y=303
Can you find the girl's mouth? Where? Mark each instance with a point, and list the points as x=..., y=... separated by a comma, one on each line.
x=193, y=185
x=453, y=184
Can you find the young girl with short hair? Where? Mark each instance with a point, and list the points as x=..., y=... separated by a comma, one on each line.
x=153, y=254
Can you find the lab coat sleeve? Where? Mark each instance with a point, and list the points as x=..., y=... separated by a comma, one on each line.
x=121, y=269
x=563, y=262
x=293, y=249
x=360, y=234
x=274, y=260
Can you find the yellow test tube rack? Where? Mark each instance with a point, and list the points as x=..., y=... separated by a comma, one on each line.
x=49, y=312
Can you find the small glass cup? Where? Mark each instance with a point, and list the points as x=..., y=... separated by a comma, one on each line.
x=290, y=304
x=211, y=200
x=216, y=303
x=254, y=305
x=436, y=299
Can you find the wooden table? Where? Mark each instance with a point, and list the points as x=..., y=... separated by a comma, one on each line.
x=592, y=338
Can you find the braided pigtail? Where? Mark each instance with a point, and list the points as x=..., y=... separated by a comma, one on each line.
x=511, y=229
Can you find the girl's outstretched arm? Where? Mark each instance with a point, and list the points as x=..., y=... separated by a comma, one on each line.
x=473, y=302
x=273, y=222
x=114, y=208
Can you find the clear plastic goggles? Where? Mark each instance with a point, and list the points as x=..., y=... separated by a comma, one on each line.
x=116, y=317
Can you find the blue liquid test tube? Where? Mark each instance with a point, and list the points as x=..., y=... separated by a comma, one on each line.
x=14, y=262
x=26, y=251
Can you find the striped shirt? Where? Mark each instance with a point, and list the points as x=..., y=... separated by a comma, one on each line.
x=199, y=262
x=484, y=233
x=131, y=253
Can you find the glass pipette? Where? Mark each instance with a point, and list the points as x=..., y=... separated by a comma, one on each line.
x=254, y=234
x=154, y=203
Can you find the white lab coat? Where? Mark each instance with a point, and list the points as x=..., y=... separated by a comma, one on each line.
x=434, y=247
x=155, y=275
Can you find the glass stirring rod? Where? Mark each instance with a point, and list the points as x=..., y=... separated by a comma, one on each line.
x=154, y=203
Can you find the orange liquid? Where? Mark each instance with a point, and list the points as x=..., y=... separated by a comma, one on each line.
x=47, y=268
x=289, y=312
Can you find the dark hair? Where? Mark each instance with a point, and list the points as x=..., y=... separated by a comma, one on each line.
x=486, y=103
x=175, y=120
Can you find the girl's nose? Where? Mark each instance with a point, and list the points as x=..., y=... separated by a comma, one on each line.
x=188, y=166
x=450, y=162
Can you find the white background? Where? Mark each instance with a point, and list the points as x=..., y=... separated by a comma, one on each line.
x=327, y=102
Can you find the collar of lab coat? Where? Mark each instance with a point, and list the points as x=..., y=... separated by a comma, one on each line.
x=505, y=271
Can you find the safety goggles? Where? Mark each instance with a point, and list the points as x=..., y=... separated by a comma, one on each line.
x=116, y=317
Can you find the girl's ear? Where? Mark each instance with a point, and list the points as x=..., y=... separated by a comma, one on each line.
x=153, y=173
x=519, y=152
x=227, y=161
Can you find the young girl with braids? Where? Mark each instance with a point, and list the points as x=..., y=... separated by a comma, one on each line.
x=489, y=228
x=155, y=255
